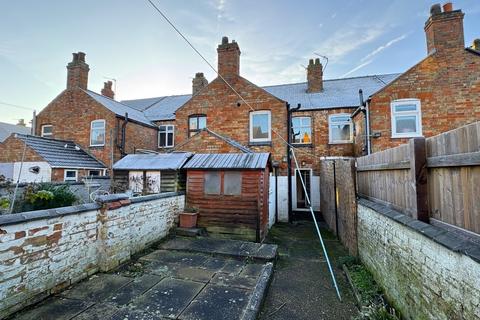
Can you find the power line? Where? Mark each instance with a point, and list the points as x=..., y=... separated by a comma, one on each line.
x=16, y=106
x=219, y=75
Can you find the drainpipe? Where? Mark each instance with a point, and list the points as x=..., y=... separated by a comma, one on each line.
x=124, y=127
x=289, y=161
x=367, y=124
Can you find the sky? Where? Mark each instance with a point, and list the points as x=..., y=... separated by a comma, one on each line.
x=129, y=41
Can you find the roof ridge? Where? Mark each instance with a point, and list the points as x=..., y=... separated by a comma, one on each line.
x=101, y=95
x=161, y=97
x=44, y=138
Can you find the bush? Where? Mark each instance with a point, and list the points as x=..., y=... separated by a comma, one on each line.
x=47, y=196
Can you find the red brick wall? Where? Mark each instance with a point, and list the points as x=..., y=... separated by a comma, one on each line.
x=219, y=103
x=448, y=86
x=310, y=155
x=71, y=113
x=11, y=150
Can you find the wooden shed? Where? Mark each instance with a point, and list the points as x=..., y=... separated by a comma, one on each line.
x=230, y=192
x=150, y=173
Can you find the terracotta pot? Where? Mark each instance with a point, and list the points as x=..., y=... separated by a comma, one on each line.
x=188, y=219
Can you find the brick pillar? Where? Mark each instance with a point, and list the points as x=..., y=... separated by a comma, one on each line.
x=444, y=29
x=315, y=76
x=107, y=90
x=228, y=58
x=198, y=83
x=77, y=72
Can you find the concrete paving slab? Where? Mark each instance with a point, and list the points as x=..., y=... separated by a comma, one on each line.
x=100, y=311
x=55, y=308
x=215, y=263
x=234, y=281
x=137, y=287
x=169, y=257
x=252, y=270
x=217, y=303
x=194, y=274
x=98, y=287
x=233, y=267
x=168, y=298
x=134, y=314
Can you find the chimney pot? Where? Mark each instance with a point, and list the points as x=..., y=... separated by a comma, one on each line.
x=81, y=56
x=310, y=62
x=21, y=122
x=317, y=61
x=435, y=9
x=225, y=40
x=447, y=7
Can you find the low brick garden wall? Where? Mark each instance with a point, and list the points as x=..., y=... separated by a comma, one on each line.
x=43, y=252
x=426, y=272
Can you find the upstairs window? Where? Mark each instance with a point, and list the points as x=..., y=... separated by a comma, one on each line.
x=97, y=133
x=302, y=130
x=47, y=130
x=196, y=123
x=166, y=136
x=340, y=128
x=406, y=118
x=260, y=126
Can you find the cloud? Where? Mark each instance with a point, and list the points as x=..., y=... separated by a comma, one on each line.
x=357, y=68
x=383, y=47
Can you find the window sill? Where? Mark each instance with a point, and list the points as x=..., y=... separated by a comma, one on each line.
x=260, y=143
x=302, y=145
x=407, y=137
x=166, y=148
x=97, y=146
x=340, y=142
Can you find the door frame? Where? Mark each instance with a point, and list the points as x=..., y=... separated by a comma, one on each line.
x=294, y=195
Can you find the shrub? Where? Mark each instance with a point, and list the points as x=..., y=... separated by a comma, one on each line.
x=47, y=196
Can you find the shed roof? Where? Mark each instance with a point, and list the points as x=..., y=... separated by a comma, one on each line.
x=61, y=153
x=6, y=129
x=162, y=161
x=228, y=161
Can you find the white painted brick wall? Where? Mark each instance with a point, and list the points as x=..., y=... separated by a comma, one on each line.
x=423, y=279
x=43, y=256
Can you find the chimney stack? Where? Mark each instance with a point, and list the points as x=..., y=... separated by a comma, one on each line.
x=198, y=83
x=444, y=29
x=476, y=44
x=21, y=122
x=314, y=76
x=107, y=90
x=228, y=58
x=77, y=72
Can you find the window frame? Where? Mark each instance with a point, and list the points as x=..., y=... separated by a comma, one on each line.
x=42, y=132
x=302, y=126
x=70, y=179
x=95, y=170
x=261, y=112
x=233, y=172
x=104, y=130
x=350, y=122
x=220, y=179
x=167, y=132
x=197, y=116
x=417, y=113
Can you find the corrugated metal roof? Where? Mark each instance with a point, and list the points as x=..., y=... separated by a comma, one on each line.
x=119, y=108
x=162, y=161
x=6, y=129
x=336, y=93
x=61, y=153
x=228, y=161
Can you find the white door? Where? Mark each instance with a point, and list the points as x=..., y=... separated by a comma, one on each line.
x=135, y=181
x=153, y=181
x=271, y=201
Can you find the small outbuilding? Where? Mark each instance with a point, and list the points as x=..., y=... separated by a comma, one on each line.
x=230, y=193
x=150, y=173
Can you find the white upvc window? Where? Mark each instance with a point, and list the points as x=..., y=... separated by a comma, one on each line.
x=70, y=175
x=166, y=136
x=47, y=130
x=406, y=118
x=94, y=173
x=97, y=133
x=302, y=130
x=340, y=128
x=260, y=126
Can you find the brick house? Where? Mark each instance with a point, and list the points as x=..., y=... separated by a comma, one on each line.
x=104, y=127
x=438, y=94
x=46, y=160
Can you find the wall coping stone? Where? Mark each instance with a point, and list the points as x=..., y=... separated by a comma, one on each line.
x=439, y=235
x=22, y=217
x=111, y=198
x=151, y=197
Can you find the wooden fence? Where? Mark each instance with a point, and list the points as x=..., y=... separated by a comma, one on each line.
x=434, y=179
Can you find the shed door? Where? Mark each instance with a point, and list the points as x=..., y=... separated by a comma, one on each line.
x=135, y=181
x=153, y=181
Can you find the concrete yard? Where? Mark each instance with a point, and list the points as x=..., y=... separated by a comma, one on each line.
x=183, y=278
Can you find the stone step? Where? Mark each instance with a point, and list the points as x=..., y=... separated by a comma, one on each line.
x=190, y=232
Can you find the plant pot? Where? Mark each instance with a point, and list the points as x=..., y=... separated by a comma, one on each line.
x=188, y=219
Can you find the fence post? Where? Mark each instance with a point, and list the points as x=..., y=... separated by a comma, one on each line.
x=418, y=176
